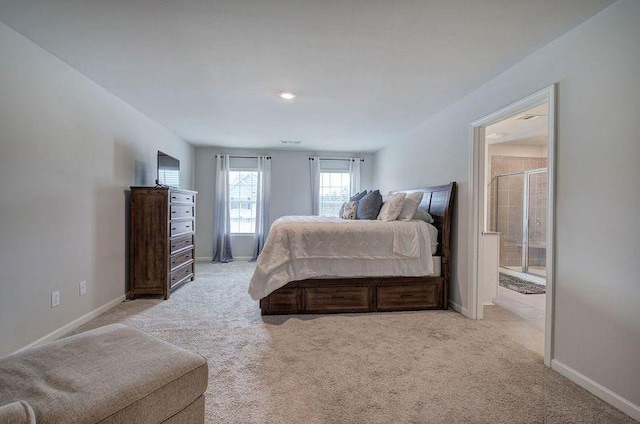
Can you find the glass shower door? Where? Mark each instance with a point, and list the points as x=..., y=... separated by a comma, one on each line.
x=536, y=240
x=509, y=220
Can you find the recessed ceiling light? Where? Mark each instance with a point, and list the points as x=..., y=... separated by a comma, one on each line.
x=287, y=95
x=497, y=135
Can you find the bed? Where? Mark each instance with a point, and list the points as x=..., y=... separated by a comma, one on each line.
x=409, y=280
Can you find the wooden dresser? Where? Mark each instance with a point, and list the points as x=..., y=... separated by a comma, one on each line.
x=162, y=239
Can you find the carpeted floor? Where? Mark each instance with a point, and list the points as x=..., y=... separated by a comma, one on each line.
x=410, y=367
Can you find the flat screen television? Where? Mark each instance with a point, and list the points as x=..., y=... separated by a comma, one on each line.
x=168, y=170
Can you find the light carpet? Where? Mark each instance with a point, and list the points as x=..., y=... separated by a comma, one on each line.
x=409, y=367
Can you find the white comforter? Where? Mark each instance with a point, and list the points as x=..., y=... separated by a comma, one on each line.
x=301, y=247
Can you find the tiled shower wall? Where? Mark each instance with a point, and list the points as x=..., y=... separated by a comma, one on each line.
x=506, y=203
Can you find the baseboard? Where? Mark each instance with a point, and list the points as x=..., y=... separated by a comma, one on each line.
x=56, y=334
x=597, y=389
x=458, y=308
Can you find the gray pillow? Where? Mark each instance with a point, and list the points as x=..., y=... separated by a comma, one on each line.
x=358, y=196
x=369, y=206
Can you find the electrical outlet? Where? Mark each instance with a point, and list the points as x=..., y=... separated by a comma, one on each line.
x=83, y=288
x=55, y=298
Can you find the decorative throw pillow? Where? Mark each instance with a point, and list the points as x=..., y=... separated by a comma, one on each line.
x=358, y=196
x=411, y=203
x=349, y=210
x=392, y=207
x=423, y=215
x=342, y=209
x=369, y=206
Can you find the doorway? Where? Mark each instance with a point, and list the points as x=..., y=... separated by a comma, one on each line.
x=512, y=190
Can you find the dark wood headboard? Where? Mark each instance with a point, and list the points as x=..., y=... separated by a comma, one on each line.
x=438, y=201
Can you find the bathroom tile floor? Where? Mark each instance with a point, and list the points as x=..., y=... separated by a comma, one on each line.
x=520, y=316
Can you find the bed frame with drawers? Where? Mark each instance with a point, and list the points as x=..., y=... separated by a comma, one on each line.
x=376, y=294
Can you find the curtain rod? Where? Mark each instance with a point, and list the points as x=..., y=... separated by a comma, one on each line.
x=349, y=159
x=245, y=157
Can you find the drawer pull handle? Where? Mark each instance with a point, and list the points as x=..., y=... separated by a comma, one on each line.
x=173, y=211
x=173, y=228
x=402, y=296
x=337, y=297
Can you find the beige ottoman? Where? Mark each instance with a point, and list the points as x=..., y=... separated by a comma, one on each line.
x=114, y=374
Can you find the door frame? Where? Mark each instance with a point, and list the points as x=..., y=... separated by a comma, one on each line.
x=478, y=200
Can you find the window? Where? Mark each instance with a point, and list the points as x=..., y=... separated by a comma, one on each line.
x=334, y=191
x=243, y=186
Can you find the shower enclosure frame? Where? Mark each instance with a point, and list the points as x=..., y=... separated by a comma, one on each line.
x=526, y=198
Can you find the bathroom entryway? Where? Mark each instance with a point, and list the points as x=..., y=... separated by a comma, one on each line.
x=517, y=206
x=512, y=165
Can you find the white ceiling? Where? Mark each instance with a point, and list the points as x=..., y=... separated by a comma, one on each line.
x=530, y=132
x=365, y=71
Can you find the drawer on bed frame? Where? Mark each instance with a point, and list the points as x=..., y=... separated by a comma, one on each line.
x=284, y=300
x=407, y=297
x=337, y=299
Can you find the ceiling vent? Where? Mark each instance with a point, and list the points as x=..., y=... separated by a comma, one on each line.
x=527, y=117
x=290, y=141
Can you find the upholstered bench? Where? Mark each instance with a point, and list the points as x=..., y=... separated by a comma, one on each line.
x=114, y=374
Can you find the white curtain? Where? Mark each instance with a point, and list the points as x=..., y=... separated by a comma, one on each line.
x=222, y=218
x=263, y=196
x=354, y=173
x=315, y=185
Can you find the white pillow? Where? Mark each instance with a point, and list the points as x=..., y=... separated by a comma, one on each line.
x=423, y=215
x=392, y=207
x=411, y=203
x=348, y=210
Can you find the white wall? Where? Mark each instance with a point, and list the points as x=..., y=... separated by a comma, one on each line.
x=68, y=152
x=597, y=326
x=517, y=150
x=290, y=185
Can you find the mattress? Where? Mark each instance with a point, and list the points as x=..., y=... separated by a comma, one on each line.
x=299, y=248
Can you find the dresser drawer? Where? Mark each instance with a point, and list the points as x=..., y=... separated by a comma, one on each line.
x=180, y=275
x=390, y=298
x=181, y=211
x=181, y=227
x=336, y=299
x=180, y=259
x=178, y=197
x=181, y=243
